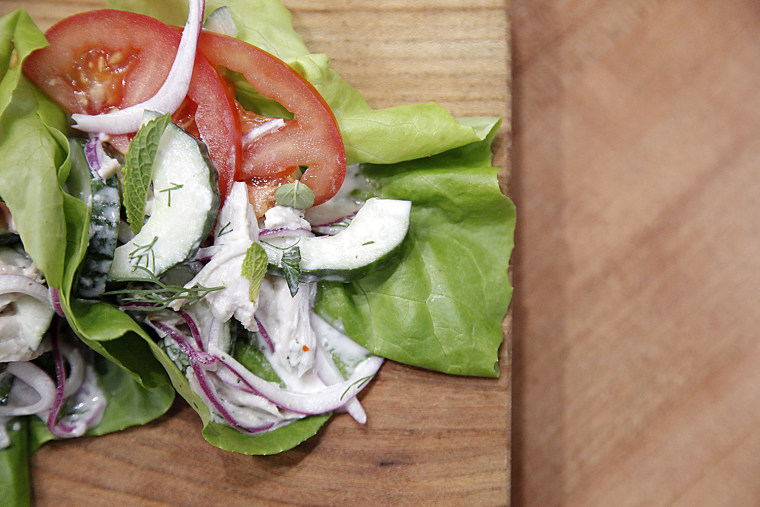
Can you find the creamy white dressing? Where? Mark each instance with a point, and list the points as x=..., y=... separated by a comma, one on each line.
x=235, y=232
x=286, y=320
x=344, y=203
x=306, y=352
x=337, y=343
x=285, y=217
x=23, y=319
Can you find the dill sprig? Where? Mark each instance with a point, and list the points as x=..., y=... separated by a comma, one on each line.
x=160, y=297
x=359, y=383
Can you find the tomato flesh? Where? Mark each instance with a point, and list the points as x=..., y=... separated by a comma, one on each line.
x=311, y=138
x=97, y=78
x=119, y=57
x=103, y=60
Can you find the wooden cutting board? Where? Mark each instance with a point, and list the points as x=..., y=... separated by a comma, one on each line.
x=431, y=439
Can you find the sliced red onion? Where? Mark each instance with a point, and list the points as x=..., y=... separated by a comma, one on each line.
x=285, y=231
x=73, y=356
x=215, y=333
x=79, y=389
x=21, y=284
x=60, y=377
x=91, y=155
x=264, y=335
x=328, y=372
x=195, y=357
x=194, y=331
x=101, y=165
x=326, y=400
x=36, y=394
x=168, y=98
x=210, y=395
x=211, y=399
x=96, y=413
x=55, y=300
x=261, y=130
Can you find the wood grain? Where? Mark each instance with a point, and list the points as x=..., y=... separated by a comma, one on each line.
x=636, y=155
x=431, y=439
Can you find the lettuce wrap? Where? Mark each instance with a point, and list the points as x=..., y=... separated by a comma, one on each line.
x=46, y=194
x=440, y=306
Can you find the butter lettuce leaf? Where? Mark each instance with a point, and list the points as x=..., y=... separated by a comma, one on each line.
x=230, y=439
x=442, y=305
x=29, y=177
x=15, y=485
x=45, y=197
x=128, y=404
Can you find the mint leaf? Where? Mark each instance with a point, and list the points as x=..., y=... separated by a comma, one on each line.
x=138, y=169
x=254, y=269
x=291, y=265
x=296, y=195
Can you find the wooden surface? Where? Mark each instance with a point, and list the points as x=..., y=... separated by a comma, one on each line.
x=431, y=439
x=636, y=173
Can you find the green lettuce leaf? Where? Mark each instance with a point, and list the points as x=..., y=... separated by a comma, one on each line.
x=441, y=307
x=438, y=308
x=229, y=439
x=30, y=176
x=128, y=404
x=45, y=196
x=14, y=465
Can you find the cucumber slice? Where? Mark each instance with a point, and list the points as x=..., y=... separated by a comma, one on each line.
x=24, y=319
x=104, y=231
x=372, y=238
x=186, y=202
x=220, y=21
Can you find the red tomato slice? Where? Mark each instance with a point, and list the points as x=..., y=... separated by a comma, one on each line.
x=102, y=60
x=311, y=139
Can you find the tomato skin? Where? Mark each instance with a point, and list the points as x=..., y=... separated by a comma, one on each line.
x=311, y=139
x=216, y=121
x=116, y=32
x=150, y=47
x=106, y=59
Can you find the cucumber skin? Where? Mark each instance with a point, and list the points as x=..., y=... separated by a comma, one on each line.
x=93, y=271
x=341, y=275
x=8, y=238
x=397, y=211
x=210, y=217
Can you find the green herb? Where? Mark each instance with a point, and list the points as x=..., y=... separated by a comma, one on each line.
x=175, y=186
x=359, y=383
x=138, y=169
x=296, y=195
x=161, y=296
x=254, y=269
x=291, y=265
x=226, y=229
x=368, y=243
x=144, y=253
